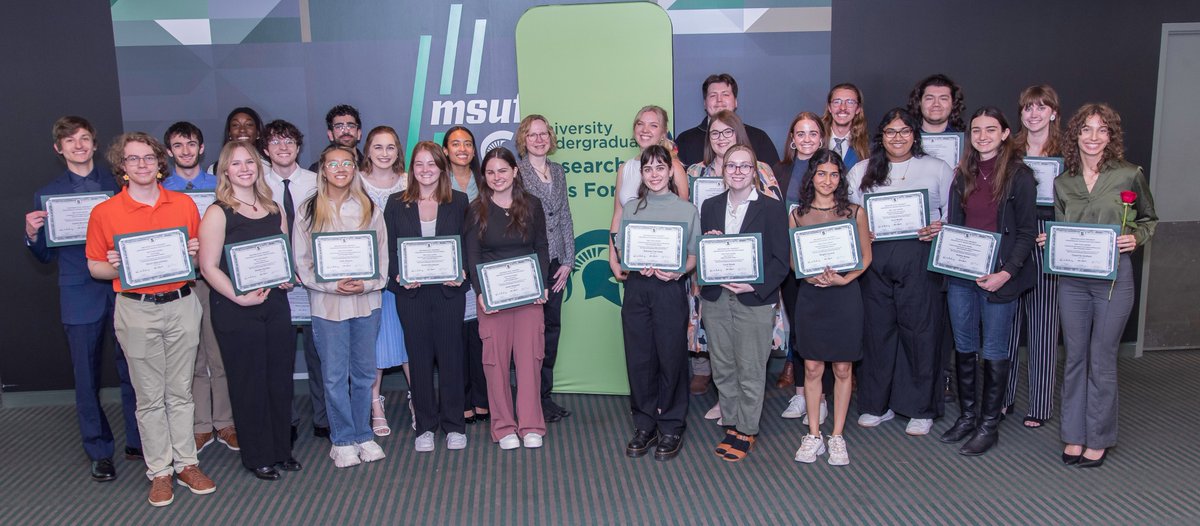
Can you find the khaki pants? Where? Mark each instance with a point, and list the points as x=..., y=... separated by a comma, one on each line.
x=210, y=389
x=739, y=344
x=160, y=346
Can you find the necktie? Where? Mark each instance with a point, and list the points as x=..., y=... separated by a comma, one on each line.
x=189, y=186
x=289, y=207
x=837, y=145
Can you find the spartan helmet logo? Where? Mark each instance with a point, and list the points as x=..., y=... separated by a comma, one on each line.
x=591, y=264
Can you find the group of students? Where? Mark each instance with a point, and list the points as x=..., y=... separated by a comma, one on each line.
x=886, y=336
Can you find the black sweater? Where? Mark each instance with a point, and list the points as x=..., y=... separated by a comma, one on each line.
x=499, y=243
x=1017, y=220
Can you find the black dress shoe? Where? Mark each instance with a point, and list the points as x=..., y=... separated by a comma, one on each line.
x=469, y=419
x=550, y=414
x=321, y=432
x=1085, y=462
x=290, y=464
x=1071, y=460
x=641, y=443
x=103, y=470
x=133, y=453
x=483, y=417
x=668, y=447
x=266, y=473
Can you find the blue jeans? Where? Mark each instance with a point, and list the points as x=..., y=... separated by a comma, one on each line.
x=970, y=308
x=347, y=350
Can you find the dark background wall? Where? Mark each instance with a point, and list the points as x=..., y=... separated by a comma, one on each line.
x=59, y=59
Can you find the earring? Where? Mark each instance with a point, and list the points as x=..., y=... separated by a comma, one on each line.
x=792, y=145
x=125, y=177
x=1051, y=117
x=158, y=176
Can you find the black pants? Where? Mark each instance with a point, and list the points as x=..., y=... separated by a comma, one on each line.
x=552, y=310
x=654, y=318
x=474, y=382
x=905, y=312
x=258, y=347
x=432, y=328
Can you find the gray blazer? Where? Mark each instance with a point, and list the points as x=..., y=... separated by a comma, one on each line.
x=560, y=232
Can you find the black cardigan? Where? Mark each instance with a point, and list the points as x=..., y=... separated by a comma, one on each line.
x=404, y=220
x=1017, y=220
x=765, y=216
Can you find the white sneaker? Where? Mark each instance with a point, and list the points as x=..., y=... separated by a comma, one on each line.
x=869, y=420
x=919, y=426
x=532, y=440
x=796, y=407
x=510, y=442
x=455, y=441
x=369, y=451
x=424, y=443
x=810, y=447
x=713, y=413
x=344, y=456
x=837, y=451
x=824, y=413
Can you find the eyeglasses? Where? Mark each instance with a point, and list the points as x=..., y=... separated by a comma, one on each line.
x=733, y=168
x=718, y=134
x=347, y=126
x=538, y=135
x=278, y=142
x=148, y=159
x=333, y=165
x=891, y=134
x=849, y=103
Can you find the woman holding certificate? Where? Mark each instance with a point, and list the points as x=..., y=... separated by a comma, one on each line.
x=993, y=191
x=829, y=304
x=251, y=316
x=1098, y=187
x=507, y=259
x=427, y=219
x=654, y=312
x=341, y=247
x=739, y=313
x=902, y=364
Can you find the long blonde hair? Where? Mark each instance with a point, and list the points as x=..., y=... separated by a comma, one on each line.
x=224, y=192
x=319, y=210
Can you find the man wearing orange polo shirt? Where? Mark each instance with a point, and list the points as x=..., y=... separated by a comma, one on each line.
x=158, y=325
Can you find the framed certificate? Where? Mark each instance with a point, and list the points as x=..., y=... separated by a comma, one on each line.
x=260, y=263
x=301, y=309
x=897, y=215
x=833, y=245
x=342, y=255
x=510, y=282
x=946, y=146
x=1081, y=250
x=963, y=252
x=154, y=257
x=202, y=198
x=1045, y=169
x=732, y=258
x=703, y=188
x=429, y=259
x=654, y=244
x=67, y=216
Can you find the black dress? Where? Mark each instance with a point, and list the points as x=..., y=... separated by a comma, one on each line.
x=828, y=321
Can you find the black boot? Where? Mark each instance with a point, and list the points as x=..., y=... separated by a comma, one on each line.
x=995, y=379
x=968, y=415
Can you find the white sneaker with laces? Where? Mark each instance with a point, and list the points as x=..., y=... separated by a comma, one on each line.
x=918, y=426
x=869, y=420
x=713, y=413
x=837, y=451
x=456, y=441
x=810, y=447
x=369, y=451
x=424, y=443
x=796, y=407
x=824, y=413
x=532, y=440
x=510, y=442
x=344, y=456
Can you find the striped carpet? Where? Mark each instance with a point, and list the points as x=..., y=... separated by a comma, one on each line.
x=581, y=476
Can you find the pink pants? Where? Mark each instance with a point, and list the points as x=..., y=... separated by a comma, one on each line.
x=514, y=334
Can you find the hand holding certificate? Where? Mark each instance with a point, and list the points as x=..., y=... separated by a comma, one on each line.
x=429, y=260
x=153, y=258
x=510, y=283
x=653, y=245
x=964, y=252
x=897, y=215
x=829, y=245
x=67, y=216
x=345, y=255
x=735, y=258
x=1081, y=250
x=259, y=263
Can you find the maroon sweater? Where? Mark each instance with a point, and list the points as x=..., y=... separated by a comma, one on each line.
x=979, y=207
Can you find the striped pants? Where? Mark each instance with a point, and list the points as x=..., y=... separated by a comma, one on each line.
x=1038, y=311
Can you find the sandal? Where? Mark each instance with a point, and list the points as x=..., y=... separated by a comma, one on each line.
x=1033, y=423
x=379, y=424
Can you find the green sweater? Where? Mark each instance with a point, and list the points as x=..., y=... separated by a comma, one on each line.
x=1073, y=203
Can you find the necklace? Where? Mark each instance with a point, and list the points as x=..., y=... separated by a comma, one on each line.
x=814, y=207
x=543, y=174
x=904, y=176
x=251, y=205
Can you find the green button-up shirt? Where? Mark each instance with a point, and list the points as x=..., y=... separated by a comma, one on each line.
x=1075, y=204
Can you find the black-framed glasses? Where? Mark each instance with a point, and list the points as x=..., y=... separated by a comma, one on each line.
x=892, y=133
x=719, y=134
x=734, y=168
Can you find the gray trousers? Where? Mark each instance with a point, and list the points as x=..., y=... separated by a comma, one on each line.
x=739, y=345
x=1091, y=326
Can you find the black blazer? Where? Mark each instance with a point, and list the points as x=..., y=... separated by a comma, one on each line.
x=1016, y=218
x=765, y=216
x=404, y=220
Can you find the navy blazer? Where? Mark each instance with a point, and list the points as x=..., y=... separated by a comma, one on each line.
x=765, y=216
x=82, y=298
x=404, y=220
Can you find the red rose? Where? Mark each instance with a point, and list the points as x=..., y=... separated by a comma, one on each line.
x=1128, y=197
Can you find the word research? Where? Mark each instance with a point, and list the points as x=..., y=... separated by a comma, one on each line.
x=474, y=111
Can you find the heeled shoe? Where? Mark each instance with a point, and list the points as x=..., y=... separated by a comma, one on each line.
x=379, y=424
x=1071, y=460
x=1092, y=462
x=469, y=419
x=483, y=417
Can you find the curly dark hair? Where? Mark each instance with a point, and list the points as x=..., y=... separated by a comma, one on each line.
x=808, y=190
x=1115, y=151
x=956, y=93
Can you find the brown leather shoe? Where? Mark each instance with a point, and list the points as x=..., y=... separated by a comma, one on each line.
x=228, y=436
x=192, y=478
x=161, y=493
x=202, y=441
x=699, y=384
x=788, y=376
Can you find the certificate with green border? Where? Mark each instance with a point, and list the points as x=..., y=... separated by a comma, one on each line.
x=834, y=245
x=897, y=215
x=654, y=244
x=153, y=257
x=730, y=258
x=345, y=255
x=436, y=259
x=67, y=216
x=1081, y=250
x=260, y=263
x=962, y=252
x=704, y=188
x=202, y=198
x=1045, y=169
x=511, y=282
x=947, y=146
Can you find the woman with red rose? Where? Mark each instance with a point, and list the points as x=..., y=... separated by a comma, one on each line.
x=1099, y=186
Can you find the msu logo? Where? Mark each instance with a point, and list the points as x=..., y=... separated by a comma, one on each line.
x=591, y=264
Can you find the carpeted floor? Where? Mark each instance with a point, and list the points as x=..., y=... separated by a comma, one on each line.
x=581, y=476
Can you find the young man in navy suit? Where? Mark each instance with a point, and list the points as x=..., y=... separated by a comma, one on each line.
x=87, y=304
